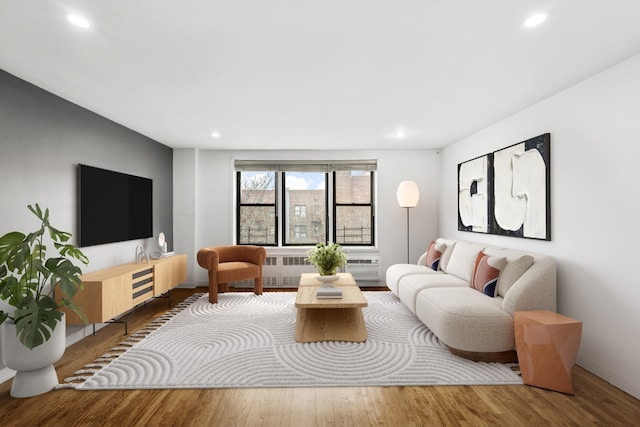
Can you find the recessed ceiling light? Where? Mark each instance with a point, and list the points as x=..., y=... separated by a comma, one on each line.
x=215, y=135
x=535, y=20
x=400, y=134
x=78, y=21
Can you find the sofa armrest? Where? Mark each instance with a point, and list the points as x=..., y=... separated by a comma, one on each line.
x=535, y=289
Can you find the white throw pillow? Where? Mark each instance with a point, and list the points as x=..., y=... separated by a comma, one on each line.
x=511, y=272
x=463, y=260
x=446, y=254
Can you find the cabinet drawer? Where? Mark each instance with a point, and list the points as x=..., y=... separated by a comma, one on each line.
x=142, y=285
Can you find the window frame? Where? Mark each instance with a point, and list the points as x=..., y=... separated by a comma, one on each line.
x=280, y=221
x=371, y=205
x=283, y=213
x=239, y=206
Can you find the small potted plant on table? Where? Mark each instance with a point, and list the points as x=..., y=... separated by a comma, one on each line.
x=327, y=258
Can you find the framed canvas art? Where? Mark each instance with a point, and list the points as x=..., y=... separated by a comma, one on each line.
x=473, y=195
x=507, y=192
x=521, y=190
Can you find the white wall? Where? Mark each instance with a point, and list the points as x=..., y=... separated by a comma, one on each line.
x=185, y=190
x=213, y=195
x=595, y=204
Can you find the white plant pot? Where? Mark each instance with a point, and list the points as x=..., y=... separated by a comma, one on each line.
x=35, y=372
x=328, y=281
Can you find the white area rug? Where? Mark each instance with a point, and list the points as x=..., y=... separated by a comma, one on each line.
x=248, y=341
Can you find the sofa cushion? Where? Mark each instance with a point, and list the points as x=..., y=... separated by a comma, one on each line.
x=398, y=271
x=466, y=320
x=487, y=271
x=463, y=260
x=512, y=271
x=434, y=252
x=411, y=285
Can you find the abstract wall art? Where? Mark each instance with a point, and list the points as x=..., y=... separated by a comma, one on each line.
x=507, y=192
x=473, y=195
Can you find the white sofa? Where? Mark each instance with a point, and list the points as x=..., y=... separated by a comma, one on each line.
x=470, y=323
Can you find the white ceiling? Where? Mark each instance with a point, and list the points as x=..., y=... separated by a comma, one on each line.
x=301, y=74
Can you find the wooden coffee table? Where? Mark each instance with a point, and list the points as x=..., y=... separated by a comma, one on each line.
x=330, y=319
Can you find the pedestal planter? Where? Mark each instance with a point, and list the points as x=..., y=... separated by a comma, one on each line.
x=35, y=372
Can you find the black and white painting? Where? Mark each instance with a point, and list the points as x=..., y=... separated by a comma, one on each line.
x=507, y=192
x=473, y=195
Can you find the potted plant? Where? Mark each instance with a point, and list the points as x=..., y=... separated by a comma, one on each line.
x=327, y=257
x=28, y=281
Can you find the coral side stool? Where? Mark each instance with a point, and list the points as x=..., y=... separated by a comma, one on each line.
x=547, y=344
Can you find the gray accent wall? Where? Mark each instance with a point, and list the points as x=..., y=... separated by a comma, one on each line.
x=43, y=138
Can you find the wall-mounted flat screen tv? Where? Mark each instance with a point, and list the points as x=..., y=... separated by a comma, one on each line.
x=113, y=206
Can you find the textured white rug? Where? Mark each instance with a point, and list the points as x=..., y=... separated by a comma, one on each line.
x=248, y=341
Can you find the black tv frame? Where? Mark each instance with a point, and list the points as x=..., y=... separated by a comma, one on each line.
x=113, y=206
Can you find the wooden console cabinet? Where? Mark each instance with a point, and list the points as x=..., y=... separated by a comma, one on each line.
x=113, y=291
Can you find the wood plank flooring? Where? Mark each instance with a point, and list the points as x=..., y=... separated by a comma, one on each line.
x=596, y=402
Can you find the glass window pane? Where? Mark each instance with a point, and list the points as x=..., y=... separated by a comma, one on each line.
x=257, y=225
x=258, y=187
x=305, y=209
x=353, y=225
x=353, y=187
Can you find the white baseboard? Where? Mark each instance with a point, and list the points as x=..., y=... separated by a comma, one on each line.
x=6, y=374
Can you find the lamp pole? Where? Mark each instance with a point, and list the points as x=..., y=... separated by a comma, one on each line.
x=407, y=208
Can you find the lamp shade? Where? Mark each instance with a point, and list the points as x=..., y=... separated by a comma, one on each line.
x=408, y=194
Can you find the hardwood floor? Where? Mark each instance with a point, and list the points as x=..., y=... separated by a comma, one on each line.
x=596, y=402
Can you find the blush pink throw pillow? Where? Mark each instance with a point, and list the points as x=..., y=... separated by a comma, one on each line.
x=486, y=273
x=434, y=252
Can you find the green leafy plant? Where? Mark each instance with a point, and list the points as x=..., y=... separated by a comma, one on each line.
x=327, y=257
x=28, y=279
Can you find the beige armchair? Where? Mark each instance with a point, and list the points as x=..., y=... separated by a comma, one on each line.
x=232, y=263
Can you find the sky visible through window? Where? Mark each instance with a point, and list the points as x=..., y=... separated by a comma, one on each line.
x=305, y=181
x=295, y=180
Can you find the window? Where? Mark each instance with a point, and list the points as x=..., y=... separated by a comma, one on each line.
x=302, y=189
x=300, y=231
x=303, y=203
x=256, y=209
x=353, y=206
x=300, y=211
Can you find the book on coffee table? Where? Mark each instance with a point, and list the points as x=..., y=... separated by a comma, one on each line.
x=327, y=292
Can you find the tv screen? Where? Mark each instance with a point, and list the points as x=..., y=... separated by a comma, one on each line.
x=113, y=206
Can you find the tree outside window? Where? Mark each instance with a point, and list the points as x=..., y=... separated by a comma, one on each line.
x=256, y=220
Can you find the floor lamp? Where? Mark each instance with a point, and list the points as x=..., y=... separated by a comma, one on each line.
x=408, y=196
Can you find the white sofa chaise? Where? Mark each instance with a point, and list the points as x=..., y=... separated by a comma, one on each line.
x=471, y=323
